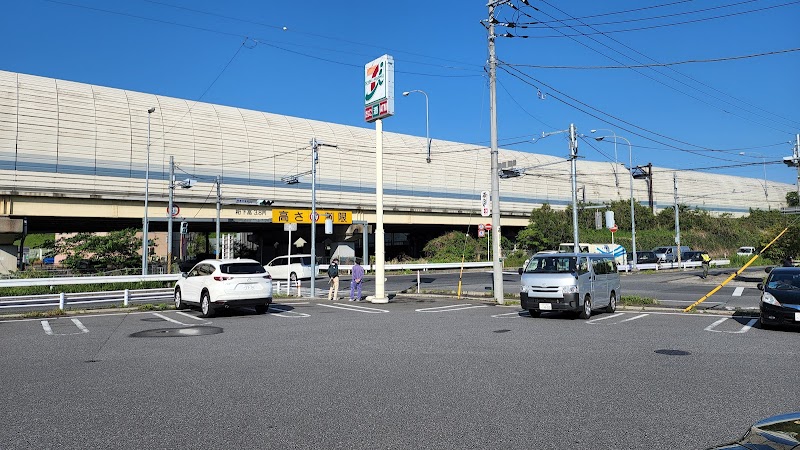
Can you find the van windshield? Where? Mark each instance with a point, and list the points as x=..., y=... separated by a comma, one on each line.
x=551, y=264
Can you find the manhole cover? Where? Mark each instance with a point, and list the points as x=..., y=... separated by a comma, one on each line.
x=179, y=332
x=501, y=331
x=672, y=352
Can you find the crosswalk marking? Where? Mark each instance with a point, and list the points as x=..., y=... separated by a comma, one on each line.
x=738, y=291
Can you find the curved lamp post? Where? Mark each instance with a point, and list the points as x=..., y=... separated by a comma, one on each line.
x=146, y=195
x=630, y=174
x=427, y=123
x=764, y=165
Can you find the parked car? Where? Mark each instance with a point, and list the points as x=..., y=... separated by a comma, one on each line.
x=646, y=257
x=575, y=282
x=291, y=267
x=746, y=251
x=222, y=283
x=694, y=255
x=670, y=253
x=776, y=432
x=780, y=297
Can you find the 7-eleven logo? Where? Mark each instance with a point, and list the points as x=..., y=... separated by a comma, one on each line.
x=375, y=78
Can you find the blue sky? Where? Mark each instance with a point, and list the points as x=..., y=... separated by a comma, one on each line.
x=237, y=53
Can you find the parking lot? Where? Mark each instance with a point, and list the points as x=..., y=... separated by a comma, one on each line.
x=415, y=373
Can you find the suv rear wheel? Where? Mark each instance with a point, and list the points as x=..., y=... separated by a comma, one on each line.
x=205, y=305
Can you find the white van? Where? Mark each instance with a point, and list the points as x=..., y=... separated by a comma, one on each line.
x=619, y=252
x=292, y=267
x=746, y=251
x=577, y=282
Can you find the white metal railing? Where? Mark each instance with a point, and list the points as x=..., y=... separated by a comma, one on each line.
x=62, y=299
x=672, y=265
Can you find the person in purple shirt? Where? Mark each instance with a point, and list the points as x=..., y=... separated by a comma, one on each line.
x=356, y=281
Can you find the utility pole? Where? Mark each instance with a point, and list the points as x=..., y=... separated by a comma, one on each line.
x=677, y=218
x=797, y=161
x=497, y=262
x=219, y=206
x=573, y=156
x=169, y=212
x=315, y=144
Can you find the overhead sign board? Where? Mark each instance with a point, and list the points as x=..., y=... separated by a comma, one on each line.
x=304, y=216
x=379, y=88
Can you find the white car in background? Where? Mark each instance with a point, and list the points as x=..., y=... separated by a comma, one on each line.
x=291, y=267
x=222, y=283
x=746, y=251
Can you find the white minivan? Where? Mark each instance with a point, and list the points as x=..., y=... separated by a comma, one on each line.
x=575, y=282
x=291, y=267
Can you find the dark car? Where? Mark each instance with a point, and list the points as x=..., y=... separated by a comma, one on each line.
x=780, y=432
x=692, y=256
x=780, y=297
x=646, y=258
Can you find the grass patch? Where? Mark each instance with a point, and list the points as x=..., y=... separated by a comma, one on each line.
x=49, y=313
x=154, y=307
x=635, y=300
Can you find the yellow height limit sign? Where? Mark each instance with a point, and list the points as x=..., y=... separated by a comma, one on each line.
x=735, y=274
x=304, y=216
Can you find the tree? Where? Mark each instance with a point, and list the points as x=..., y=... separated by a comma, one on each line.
x=111, y=251
x=451, y=247
x=792, y=199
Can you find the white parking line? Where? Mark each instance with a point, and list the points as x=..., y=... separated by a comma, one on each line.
x=745, y=328
x=48, y=330
x=190, y=316
x=287, y=313
x=738, y=291
x=449, y=308
x=515, y=314
x=604, y=318
x=80, y=325
x=355, y=308
x=634, y=318
x=161, y=316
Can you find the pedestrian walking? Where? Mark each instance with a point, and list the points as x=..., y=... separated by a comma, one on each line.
x=356, y=281
x=705, y=263
x=333, y=279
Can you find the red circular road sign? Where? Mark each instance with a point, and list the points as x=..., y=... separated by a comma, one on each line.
x=614, y=228
x=488, y=227
x=175, y=210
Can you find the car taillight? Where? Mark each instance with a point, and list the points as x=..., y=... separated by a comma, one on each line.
x=222, y=278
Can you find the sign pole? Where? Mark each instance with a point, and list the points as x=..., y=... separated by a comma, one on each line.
x=380, y=252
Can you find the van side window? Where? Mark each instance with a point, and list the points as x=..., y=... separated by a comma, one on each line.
x=612, y=268
x=599, y=266
x=583, y=266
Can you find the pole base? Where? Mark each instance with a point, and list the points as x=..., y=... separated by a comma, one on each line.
x=373, y=299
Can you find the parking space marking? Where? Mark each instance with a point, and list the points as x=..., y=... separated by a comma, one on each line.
x=449, y=308
x=190, y=316
x=634, y=318
x=738, y=291
x=48, y=330
x=355, y=308
x=605, y=317
x=745, y=328
x=161, y=316
x=513, y=314
x=287, y=313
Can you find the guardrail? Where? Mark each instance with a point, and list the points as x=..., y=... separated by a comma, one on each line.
x=61, y=300
x=672, y=265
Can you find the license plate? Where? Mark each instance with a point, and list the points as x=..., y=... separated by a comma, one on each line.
x=797, y=317
x=247, y=287
x=545, y=306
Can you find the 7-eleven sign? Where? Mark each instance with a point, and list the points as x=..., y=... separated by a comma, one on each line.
x=379, y=88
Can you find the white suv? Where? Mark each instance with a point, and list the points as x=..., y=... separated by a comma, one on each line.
x=746, y=251
x=293, y=267
x=222, y=283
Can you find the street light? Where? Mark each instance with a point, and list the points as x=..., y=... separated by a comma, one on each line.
x=764, y=165
x=146, y=195
x=616, y=161
x=427, y=123
x=630, y=173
